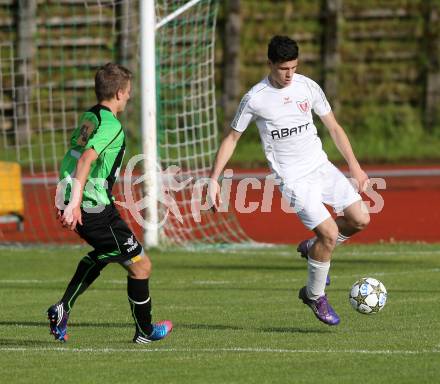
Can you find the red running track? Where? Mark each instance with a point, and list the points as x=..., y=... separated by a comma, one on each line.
x=411, y=212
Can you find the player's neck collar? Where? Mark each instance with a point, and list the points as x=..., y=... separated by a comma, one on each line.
x=271, y=84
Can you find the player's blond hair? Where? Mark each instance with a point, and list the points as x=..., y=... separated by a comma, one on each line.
x=110, y=79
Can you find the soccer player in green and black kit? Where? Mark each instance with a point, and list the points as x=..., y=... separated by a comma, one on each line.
x=90, y=167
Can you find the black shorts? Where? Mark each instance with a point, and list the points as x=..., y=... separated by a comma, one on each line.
x=109, y=235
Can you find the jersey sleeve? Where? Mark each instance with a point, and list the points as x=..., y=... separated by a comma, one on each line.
x=243, y=116
x=104, y=135
x=319, y=102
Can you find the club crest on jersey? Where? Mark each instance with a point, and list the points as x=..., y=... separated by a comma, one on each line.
x=303, y=106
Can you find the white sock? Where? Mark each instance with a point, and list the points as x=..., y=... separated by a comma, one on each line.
x=341, y=238
x=316, y=278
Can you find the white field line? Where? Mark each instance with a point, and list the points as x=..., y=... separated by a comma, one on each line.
x=226, y=282
x=220, y=350
x=391, y=253
x=342, y=253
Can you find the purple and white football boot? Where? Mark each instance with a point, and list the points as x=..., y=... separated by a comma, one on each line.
x=320, y=307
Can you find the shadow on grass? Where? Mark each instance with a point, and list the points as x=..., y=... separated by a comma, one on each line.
x=294, y=330
x=243, y=267
x=221, y=327
x=209, y=327
x=220, y=287
x=71, y=324
x=25, y=343
x=341, y=259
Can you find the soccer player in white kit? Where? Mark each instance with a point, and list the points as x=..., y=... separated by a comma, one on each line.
x=281, y=106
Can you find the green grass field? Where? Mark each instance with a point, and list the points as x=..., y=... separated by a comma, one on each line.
x=237, y=319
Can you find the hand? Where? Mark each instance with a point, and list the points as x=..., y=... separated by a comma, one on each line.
x=214, y=196
x=361, y=178
x=59, y=214
x=71, y=216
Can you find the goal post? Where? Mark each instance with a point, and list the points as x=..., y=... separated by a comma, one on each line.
x=148, y=117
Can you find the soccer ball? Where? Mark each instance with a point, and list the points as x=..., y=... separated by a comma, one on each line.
x=368, y=295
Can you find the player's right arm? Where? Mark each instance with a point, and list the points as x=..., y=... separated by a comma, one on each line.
x=243, y=117
x=72, y=213
x=224, y=153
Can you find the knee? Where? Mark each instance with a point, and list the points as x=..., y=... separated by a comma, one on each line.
x=328, y=237
x=147, y=267
x=141, y=269
x=361, y=221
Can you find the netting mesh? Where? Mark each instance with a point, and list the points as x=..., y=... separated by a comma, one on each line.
x=48, y=56
x=187, y=122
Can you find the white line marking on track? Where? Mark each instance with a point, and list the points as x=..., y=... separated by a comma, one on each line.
x=219, y=350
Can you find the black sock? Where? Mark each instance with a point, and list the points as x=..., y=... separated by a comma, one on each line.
x=140, y=304
x=86, y=273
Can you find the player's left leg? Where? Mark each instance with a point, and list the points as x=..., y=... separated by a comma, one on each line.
x=139, y=269
x=341, y=195
x=354, y=220
x=138, y=265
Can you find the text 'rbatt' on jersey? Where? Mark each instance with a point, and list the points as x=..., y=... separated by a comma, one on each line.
x=285, y=132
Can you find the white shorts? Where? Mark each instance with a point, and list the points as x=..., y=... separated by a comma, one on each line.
x=325, y=185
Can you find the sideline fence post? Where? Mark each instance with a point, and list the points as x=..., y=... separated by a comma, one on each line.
x=432, y=90
x=332, y=13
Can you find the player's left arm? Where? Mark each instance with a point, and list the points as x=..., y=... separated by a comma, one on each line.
x=342, y=142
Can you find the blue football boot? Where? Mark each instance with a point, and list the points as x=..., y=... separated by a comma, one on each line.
x=58, y=322
x=160, y=331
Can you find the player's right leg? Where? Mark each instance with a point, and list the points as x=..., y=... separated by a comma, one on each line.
x=304, y=248
x=58, y=321
x=87, y=271
x=319, y=256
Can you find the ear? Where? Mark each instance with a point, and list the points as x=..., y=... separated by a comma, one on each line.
x=118, y=94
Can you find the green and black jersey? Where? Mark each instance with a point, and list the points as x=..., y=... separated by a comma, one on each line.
x=101, y=130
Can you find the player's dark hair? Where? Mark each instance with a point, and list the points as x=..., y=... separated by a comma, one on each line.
x=282, y=49
x=110, y=79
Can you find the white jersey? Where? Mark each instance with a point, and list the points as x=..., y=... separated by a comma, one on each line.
x=285, y=123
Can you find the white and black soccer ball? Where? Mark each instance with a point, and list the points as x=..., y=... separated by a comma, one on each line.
x=368, y=295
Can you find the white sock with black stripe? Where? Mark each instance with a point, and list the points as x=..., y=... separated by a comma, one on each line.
x=339, y=240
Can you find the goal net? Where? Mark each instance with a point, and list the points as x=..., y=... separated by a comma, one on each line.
x=48, y=56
